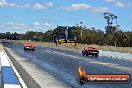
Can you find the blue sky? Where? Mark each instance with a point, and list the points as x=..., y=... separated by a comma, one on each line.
x=41, y=15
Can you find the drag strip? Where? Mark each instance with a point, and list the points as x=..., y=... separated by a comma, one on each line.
x=62, y=65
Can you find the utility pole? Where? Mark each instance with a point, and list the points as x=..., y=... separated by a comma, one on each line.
x=75, y=39
x=81, y=29
x=66, y=33
x=115, y=36
x=56, y=40
x=56, y=34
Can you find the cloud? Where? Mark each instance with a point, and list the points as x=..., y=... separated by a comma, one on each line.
x=39, y=6
x=47, y=24
x=77, y=7
x=36, y=23
x=100, y=9
x=22, y=28
x=109, y=0
x=13, y=27
x=114, y=0
x=4, y=3
x=7, y=17
x=82, y=6
x=49, y=4
x=3, y=0
x=129, y=4
x=119, y=4
x=131, y=15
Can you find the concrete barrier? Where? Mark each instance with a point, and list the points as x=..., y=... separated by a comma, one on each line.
x=9, y=78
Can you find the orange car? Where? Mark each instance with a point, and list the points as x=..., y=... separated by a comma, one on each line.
x=29, y=46
x=90, y=51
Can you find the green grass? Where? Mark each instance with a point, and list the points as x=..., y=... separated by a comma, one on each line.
x=81, y=46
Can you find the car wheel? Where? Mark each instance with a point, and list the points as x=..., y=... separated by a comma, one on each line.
x=96, y=55
x=25, y=48
x=86, y=54
x=82, y=81
x=33, y=49
x=83, y=53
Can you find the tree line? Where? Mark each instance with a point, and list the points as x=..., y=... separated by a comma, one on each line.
x=90, y=36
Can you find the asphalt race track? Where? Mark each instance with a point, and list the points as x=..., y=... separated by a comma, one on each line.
x=56, y=68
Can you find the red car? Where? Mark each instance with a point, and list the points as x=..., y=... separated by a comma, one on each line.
x=29, y=46
x=90, y=51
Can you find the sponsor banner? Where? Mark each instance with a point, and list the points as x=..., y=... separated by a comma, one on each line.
x=82, y=77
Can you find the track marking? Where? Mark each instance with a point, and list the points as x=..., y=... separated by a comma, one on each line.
x=51, y=59
x=67, y=60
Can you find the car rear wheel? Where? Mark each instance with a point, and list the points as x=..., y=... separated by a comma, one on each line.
x=86, y=54
x=83, y=53
x=96, y=55
x=33, y=49
x=81, y=81
x=25, y=48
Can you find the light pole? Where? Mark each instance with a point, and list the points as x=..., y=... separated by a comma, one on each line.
x=115, y=34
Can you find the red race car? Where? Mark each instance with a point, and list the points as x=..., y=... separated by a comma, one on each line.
x=90, y=51
x=29, y=46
